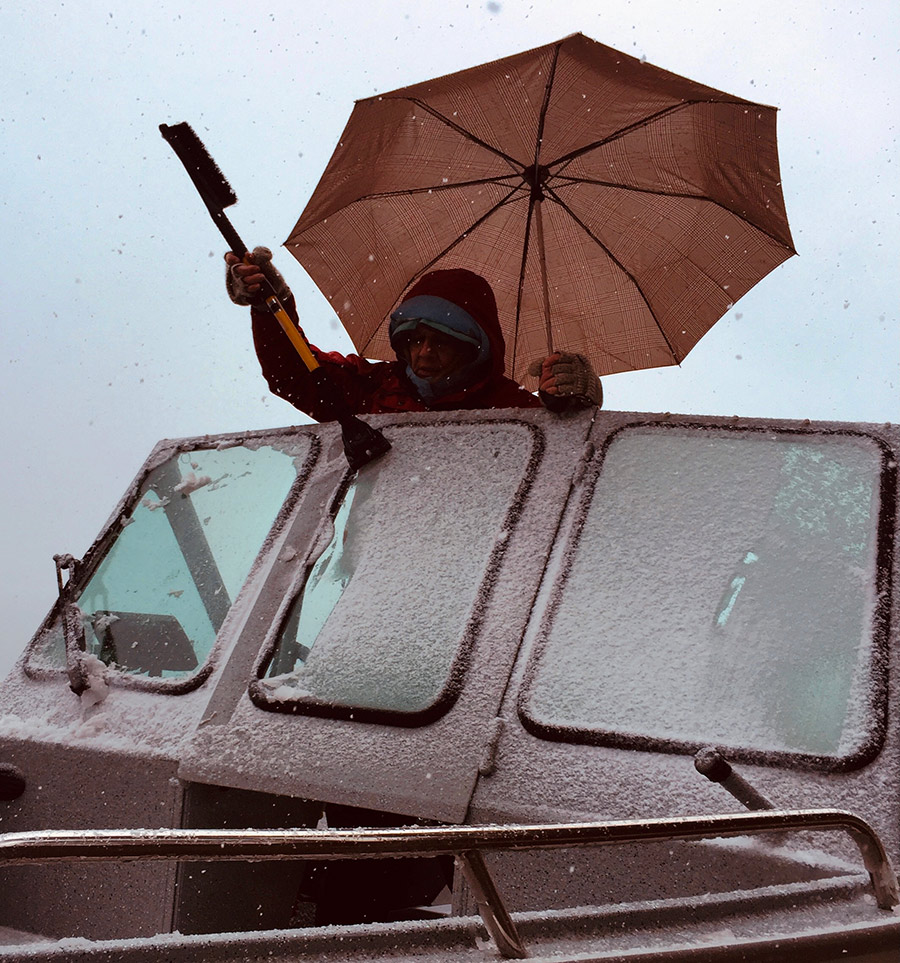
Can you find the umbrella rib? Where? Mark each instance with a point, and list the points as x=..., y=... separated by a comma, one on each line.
x=553, y=196
x=412, y=191
x=415, y=191
x=542, y=117
x=570, y=180
x=534, y=214
x=637, y=125
x=453, y=125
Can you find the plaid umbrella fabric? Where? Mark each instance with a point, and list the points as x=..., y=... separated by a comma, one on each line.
x=617, y=209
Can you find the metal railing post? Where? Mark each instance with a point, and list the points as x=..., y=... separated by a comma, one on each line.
x=491, y=907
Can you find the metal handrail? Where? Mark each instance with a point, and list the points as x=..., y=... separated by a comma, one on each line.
x=467, y=843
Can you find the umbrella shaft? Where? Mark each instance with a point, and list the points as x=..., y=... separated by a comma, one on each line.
x=545, y=290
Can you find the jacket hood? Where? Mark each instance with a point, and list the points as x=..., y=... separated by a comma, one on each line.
x=468, y=291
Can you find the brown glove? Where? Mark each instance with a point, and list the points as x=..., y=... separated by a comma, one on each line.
x=237, y=285
x=567, y=382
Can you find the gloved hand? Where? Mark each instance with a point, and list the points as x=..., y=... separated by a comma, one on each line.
x=567, y=382
x=243, y=281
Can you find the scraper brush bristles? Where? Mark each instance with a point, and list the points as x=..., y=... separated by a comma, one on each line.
x=203, y=170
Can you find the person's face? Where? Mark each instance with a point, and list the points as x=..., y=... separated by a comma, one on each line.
x=433, y=354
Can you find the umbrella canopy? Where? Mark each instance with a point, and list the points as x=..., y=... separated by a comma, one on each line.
x=617, y=209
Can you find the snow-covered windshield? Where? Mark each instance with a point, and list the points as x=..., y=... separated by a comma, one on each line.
x=154, y=604
x=721, y=590
x=384, y=612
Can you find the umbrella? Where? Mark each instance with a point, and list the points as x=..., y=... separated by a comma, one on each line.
x=617, y=209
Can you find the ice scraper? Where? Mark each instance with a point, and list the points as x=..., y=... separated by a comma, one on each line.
x=362, y=442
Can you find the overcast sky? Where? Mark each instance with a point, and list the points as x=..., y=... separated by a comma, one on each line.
x=116, y=331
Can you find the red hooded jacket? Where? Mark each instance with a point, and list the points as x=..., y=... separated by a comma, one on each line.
x=377, y=387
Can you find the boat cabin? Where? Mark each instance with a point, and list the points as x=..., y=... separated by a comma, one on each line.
x=512, y=619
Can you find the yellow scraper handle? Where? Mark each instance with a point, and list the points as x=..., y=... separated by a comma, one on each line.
x=284, y=319
x=290, y=329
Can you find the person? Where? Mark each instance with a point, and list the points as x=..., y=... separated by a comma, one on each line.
x=450, y=352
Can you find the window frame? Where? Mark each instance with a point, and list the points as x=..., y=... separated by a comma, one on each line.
x=876, y=710
x=262, y=698
x=85, y=568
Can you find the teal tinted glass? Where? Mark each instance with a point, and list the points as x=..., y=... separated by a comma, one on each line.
x=722, y=591
x=156, y=601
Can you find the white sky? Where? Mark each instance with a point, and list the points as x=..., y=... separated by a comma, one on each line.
x=115, y=328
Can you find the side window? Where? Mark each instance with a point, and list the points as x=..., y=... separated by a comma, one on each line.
x=152, y=606
x=721, y=588
x=382, y=624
